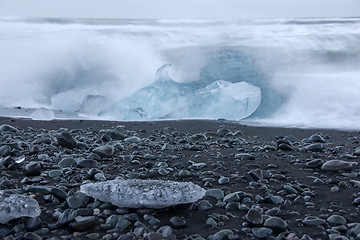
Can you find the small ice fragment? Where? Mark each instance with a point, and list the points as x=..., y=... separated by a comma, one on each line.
x=137, y=193
x=14, y=206
x=43, y=114
x=19, y=159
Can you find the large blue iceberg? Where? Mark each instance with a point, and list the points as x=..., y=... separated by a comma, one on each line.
x=229, y=87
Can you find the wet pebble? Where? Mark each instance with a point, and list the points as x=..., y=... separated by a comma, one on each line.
x=261, y=232
x=105, y=151
x=33, y=168
x=276, y=224
x=336, y=165
x=177, y=222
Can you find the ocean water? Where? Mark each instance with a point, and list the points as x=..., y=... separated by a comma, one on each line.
x=312, y=64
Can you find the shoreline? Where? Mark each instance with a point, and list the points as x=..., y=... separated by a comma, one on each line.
x=247, y=162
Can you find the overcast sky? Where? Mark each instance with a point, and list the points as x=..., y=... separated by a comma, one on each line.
x=180, y=8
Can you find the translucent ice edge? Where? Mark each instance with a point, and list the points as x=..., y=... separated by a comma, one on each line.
x=144, y=193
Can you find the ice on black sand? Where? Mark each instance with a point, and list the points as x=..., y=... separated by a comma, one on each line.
x=14, y=206
x=144, y=193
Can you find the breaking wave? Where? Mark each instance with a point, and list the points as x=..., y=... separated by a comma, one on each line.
x=86, y=66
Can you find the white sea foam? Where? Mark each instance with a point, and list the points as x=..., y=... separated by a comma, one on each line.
x=312, y=63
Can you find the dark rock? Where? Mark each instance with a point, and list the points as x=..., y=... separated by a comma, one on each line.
x=32, y=236
x=177, y=222
x=336, y=165
x=83, y=223
x=105, y=151
x=285, y=147
x=5, y=150
x=87, y=163
x=276, y=224
x=74, y=202
x=262, y=232
x=60, y=194
x=114, y=134
x=33, y=223
x=254, y=217
x=244, y=156
x=316, y=147
x=66, y=140
x=313, y=221
x=216, y=193
x=204, y=205
x=127, y=236
x=7, y=128
x=336, y=220
x=316, y=138
x=67, y=161
x=67, y=216
x=315, y=163
x=33, y=169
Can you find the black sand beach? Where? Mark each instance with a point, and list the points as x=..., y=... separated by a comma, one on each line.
x=278, y=183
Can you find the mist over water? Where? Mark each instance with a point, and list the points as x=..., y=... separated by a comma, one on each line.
x=313, y=64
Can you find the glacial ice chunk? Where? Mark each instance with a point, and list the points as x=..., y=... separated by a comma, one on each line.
x=93, y=104
x=43, y=114
x=155, y=101
x=229, y=87
x=137, y=193
x=14, y=206
x=223, y=99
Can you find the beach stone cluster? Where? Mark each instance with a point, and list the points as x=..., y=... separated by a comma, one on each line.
x=243, y=182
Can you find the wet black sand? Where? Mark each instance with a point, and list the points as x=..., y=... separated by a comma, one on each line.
x=322, y=193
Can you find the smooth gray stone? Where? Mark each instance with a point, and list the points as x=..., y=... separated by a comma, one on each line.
x=317, y=138
x=132, y=139
x=224, y=180
x=122, y=223
x=67, y=216
x=244, y=156
x=87, y=163
x=8, y=128
x=105, y=151
x=165, y=231
x=216, y=193
x=261, y=232
x=285, y=147
x=315, y=163
x=223, y=234
x=74, y=202
x=204, y=205
x=33, y=168
x=336, y=165
x=83, y=223
x=67, y=162
x=313, y=221
x=231, y=197
x=177, y=222
x=66, y=140
x=291, y=139
x=336, y=220
x=290, y=189
x=356, y=229
x=276, y=224
x=33, y=223
x=55, y=173
x=114, y=134
x=32, y=236
x=155, y=236
x=254, y=217
x=315, y=147
x=5, y=150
